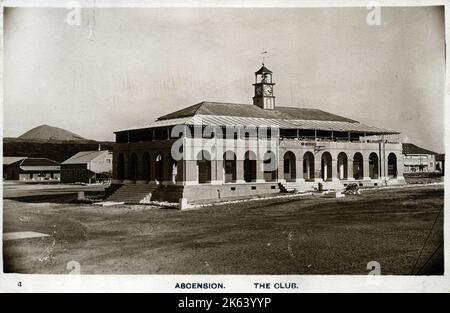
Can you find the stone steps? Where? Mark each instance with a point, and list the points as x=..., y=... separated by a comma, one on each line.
x=132, y=193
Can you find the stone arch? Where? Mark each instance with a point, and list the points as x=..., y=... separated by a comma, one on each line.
x=270, y=166
x=229, y=167
x=146, y=166
x=289, y=166
x=342, y=166
x=249, y=166
x=204, y=167
x=392, y=165
x=358, y=166
x=120, y=167
x=159, y=167
x=326, y=166
x=374, y=166
x=133, y=167
x=308, y=166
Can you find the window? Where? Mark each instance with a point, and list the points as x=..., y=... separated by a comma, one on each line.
x=108, y=161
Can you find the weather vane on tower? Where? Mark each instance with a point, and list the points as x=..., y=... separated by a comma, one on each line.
x=263, y=53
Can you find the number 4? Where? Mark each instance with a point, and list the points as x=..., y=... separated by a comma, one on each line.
x=19, y=284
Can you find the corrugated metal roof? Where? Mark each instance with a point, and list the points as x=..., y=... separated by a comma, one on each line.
x=409, y=148
x=249, y=110
x=84, y=157
x=40, y=168
x=233, y=121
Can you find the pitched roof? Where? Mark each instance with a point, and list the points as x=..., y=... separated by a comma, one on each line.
x=246, y=110
x=409, y=148
x=38, y=165
x=12, y=160
x=85, y=157
x=263, y=70
x=38, y=162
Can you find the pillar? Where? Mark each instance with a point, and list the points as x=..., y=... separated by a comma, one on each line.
x=140, y=170
x=240, y=171
x=281, y=170
x=318, y=168
x=220, y=179
x=350, y=169
x=190, y=172
x=260, y=171
x=366, y=171
x=334, y=171
x=299, y=170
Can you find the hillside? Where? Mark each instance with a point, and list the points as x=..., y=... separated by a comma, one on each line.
x=50, y=133
x=58, y=151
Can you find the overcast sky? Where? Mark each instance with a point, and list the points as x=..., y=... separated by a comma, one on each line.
x=139, y=64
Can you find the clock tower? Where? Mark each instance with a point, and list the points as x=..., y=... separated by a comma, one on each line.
x=264, y=97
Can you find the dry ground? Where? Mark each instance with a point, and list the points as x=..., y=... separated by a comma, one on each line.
x=282, y=236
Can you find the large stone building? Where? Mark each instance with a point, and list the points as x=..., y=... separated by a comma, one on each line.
x=213, y=151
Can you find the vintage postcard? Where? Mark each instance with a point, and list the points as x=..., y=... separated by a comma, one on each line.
x=224, y=146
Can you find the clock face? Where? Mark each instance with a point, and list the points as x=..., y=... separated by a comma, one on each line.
x=259, y=90
x=268, y=90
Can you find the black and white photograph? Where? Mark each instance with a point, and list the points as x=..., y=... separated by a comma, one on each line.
x=236, y=140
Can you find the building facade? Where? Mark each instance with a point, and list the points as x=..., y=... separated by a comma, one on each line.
x=87, y=167
x=419, y=160
x=30, y=169
x=213, y=151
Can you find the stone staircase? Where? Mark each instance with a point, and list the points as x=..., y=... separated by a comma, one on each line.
x=133, y=193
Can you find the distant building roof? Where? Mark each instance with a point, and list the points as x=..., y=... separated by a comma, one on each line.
x=12, y=160
x=263, y=70
x=85, y=157
x=38, y=165
x=409, y=148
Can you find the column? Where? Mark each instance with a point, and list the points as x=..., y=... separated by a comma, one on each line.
x=260, y=171
x=140, y=170
x=366, y=169
x=299, y=169
x=350, y=169
x=219, y=172
x=240, y=171
x=152, y=169
x=318, y=168
x=334, y=170
x=281, y=170
x=167, y=169
x=190, y=172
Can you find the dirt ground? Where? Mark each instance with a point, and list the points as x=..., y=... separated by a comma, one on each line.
x=280, y=236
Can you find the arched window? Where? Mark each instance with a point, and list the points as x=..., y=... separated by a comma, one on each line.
x=120, y=167
x=342, y=166
x=146, y=166
x=250, y=167
x=229, y=167
x=358, y=166
x=289, y=166
x=392, y=165
x=373, y=166
x=308, y=166
x=204, y=167
x=326, y=166
x=132, y=168
x=159, y=168
x=270, y=166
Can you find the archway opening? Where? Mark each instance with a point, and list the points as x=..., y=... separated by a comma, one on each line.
x=326, y=166
x=342, y=166
x=373, y=166
x=358, y=166
x=289, y=166
x=159, y=168
x=392, y=165
x=204, y=167
x=132, y=168
x=229, y=167
x=270, y=166
x=146, y=166
x=308, y=166
x=120, y=167
x=250, y=167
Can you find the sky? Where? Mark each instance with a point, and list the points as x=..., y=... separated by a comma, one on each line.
x=123, y=68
